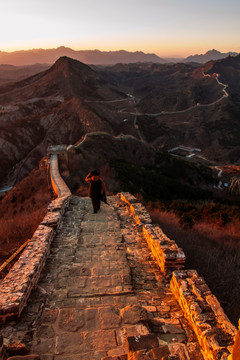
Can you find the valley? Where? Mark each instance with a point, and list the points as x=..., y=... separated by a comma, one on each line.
x=162, y=105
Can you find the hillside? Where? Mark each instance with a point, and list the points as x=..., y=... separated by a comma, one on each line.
x=53, y=106
x=11, y=73
x=22, y=209
x=186, y=104
x=160, y=104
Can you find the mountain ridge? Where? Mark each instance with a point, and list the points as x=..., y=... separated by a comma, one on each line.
x=29, y=57
x=208, y=56
x=53, y=106
x=163, y=105
x=97, y=57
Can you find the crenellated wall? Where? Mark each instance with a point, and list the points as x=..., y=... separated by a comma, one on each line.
x=59, y=186
x=23, y=276
x=166, y=252
x=212, y=327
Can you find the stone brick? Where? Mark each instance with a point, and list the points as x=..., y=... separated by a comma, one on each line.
x=131, y=330
x=49, y=316
x=71, y=319
x=179, y=350
x=109, y=318
x=18, y=348
x=150, y=308
x=69, y=343
x=160, y=352
x=119, y=351
x=132, y=314
x=100, y=340
x=135, y=343
x=45, y=331
x=43, y=346
x=173, y=329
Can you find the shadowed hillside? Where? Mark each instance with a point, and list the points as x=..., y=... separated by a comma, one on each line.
x=22, y=209
x=197, y=106
x=163, y=105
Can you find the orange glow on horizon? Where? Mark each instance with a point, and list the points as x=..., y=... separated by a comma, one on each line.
x=169, y=50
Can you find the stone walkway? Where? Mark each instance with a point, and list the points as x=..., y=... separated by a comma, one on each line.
x=105, y=297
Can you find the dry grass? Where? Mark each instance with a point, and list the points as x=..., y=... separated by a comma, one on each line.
x=21, y=211
x=15, y=231
x=214, y=251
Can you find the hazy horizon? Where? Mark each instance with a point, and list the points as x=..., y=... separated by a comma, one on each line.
x=166, y=28
x=76, y=49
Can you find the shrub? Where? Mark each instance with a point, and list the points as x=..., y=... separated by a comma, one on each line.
x=213, y=251
x=22, y=210
x=186, y=221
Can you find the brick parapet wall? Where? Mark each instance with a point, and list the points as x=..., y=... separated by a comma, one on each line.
x=166, y=252
x=136, y=209
x=24, y=275
x=59, y=186
x=214, y=330
x=168, y=255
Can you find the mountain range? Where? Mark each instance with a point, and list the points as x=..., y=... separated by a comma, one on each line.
x=208, y=56
x=97, y=57
x=11, y=73
x=49, y=56
x=159, y=105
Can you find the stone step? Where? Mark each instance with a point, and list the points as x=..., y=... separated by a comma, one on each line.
x=102, y=293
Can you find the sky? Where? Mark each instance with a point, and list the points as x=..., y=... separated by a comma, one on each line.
x=165, y=27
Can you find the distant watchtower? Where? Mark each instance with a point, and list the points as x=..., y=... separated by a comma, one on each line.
x=60, y=150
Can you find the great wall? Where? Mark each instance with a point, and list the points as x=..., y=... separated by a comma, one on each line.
x=107, y=286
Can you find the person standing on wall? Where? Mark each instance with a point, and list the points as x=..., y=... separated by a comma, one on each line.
x=97, y=189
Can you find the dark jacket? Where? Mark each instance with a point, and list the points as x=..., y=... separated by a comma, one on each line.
x=97, y=186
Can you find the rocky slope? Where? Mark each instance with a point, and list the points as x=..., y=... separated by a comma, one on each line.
x=51, y=107
x=197, y=106
x=162, y=105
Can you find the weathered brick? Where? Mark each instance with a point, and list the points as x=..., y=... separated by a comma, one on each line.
x=135, y=343
x=100, y=340
x=109, y=318
x=132, y=314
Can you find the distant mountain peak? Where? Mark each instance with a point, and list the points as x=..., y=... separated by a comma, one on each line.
x=208, y=56
x=213, y=52
x=65, y=63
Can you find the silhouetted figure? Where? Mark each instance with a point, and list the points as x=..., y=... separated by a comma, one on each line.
x=97, y=189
